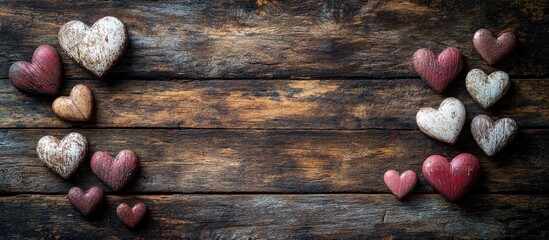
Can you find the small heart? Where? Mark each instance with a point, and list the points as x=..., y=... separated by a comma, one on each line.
x=487, y=89
x=453, y=179
x=492, y=50
x=439, y=71
x=131, y=216
x=444, y=124
x=492, y=137
x=86, y=202
x=65, y=156
x=117, y=172
x=42, y=76
x=400, y=185
x=97, y=48
x=76, y=107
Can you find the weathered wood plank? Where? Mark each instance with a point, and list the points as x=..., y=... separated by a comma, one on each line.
x=274, y=104
x=289, y=39
x=341, y=216
x=188, y=161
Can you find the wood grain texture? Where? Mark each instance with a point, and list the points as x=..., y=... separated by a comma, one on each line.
x=282, y=39
x=280, y=161
x=343, y=216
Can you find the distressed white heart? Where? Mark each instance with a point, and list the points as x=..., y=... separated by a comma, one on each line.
x=65, y=156
x=444, y=124
x=492, y=137
x=97, y=48
x=487, y=89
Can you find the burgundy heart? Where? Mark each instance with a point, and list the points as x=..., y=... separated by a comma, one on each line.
x=493, y=49
x=400, y=185
x=439, y=71
x=131, y=216
x=117, y=172
x=453, y=179
x=42, y=76
x=86, y=202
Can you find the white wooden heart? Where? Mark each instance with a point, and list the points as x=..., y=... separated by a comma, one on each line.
x=97, y=48
x=444, y=124
x=492, y=137
x=487, y=89
x=65, y=156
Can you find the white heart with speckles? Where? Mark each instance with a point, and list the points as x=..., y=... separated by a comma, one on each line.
x=487, y=89
x=65, y=156
x=444, y=124
x=492, y=137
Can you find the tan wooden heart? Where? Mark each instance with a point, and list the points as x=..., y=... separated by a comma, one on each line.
x=492, y=136
x=444, y=124
x=97, y=48
x=65, y=156
x=76, y=107
x=486, y=90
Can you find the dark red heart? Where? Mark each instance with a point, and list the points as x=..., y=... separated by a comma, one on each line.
x=400, y=185
x=131, y=216
x=439, y=71
x=453, y=179
x=117, y=172
x=86, y=202
x=42, y=76
x=493, y=49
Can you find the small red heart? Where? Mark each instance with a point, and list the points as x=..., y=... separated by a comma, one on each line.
x=453, y=179
x=400, y=185
x=117, y=172
x=86, y=202
x=493, y=49
x=131, y=216
x=42, y=76
x=439, y=71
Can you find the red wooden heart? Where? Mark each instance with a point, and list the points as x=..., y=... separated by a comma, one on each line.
x=117, y=172
x=86, y=202
x=493, y=49
x=400, y=185
x=453, y=179
x=42, y=76
x=439, y=71
x=131, y=216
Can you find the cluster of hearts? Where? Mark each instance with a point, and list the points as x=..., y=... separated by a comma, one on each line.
x=453, y=179
x=43, y=77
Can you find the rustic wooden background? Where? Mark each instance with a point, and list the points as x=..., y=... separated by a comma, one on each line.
x=276, y=119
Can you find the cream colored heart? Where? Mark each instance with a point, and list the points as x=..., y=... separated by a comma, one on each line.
x=65, y=156
x=444, y=124
x=487, y=89
x=76, y=107
x=492, y=137
x=97, y=48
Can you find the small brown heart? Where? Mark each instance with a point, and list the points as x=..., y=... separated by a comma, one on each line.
x=65, y=156
x=131, y=216
x=492, y=136
x=117, y=172
x=86, y=202
x=76, y=107
x=492, y=50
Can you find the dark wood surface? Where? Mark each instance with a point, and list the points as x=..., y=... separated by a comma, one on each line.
x=276, y=119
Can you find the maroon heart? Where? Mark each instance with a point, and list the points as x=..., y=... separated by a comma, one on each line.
x=117, y=172
x=453, y=179
x=42, y=76
x=493, y=49
x=439, y=71
x=86, y=202
x=131, y=216
x=400, y=185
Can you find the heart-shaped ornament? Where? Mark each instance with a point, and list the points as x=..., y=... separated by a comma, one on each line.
x=493, y=49
x=439, y=71
x=400, y=185
x=444, y=124
x=65, y=156
x=86, y=202
x=42, y=76
x=97, y=48
x=492, y=137
x=130, y=217
x=117, y=172
x=76, y=107
x=487, y=89
x=452, y=179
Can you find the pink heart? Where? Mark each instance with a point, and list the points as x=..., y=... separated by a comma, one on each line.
x=439, y=71
x=131, y=216
x=492, y=50
x=42, y=76
x=117, y=172
x=400, y=185
x=86, y=202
